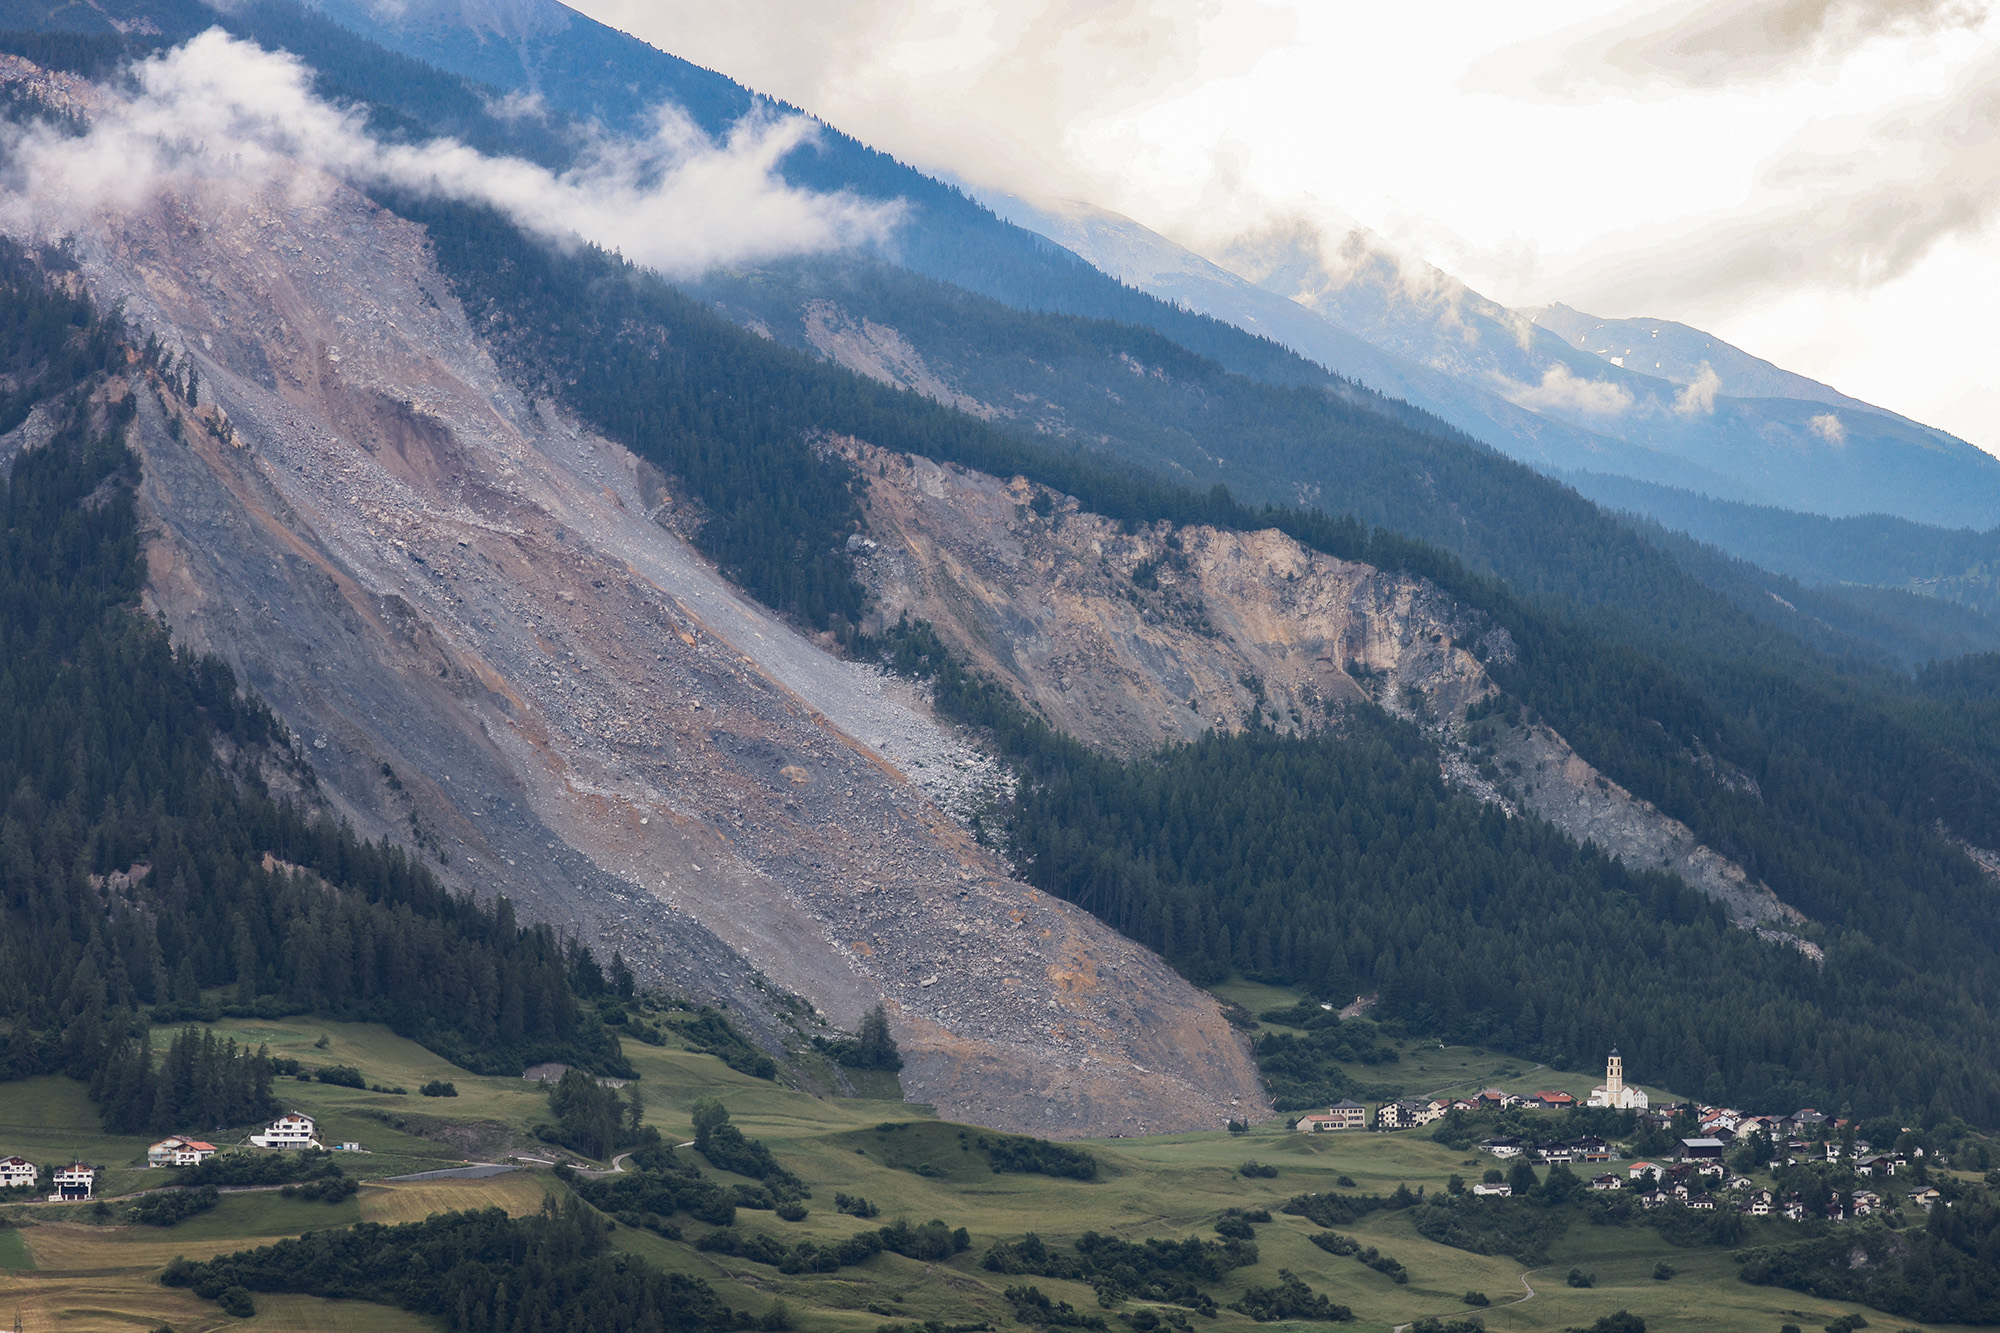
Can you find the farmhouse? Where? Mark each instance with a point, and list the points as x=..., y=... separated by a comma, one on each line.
x=1495, y=1191
x=1693, y=1150
x=1606, y=1182
x=179, y=1152
x=1552, y=1101
x=290, y=1130
x=18, y=1173
x=1340, y=1115
x=75, y=1181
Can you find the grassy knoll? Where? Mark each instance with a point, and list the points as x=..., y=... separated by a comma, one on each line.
x=71, y=1269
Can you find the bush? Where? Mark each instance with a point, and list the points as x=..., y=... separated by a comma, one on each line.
x=854, y=1206
x=1663, y=1271
x=1475, y=1298
x=1256, y=1170
x=1622, y=1322
x=344, y=1076
x=1847, y=1324
x=437, y=1087
x=792, y=1211
x=1578, y=1278
x=163, y=1208
x=1290, y=1299
x=236, y=1301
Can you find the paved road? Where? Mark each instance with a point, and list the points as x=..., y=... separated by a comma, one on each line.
x=477, y=1171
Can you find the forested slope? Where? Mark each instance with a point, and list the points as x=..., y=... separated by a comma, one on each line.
x=147, y=871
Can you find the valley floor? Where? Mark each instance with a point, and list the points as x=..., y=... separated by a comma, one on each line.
x=68, y=1269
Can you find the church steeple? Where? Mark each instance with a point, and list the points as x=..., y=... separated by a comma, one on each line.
x=1614, y=1074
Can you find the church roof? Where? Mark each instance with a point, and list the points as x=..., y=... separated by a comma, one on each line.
x=1614, y=1053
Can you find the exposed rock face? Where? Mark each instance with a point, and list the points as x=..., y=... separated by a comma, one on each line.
x=1134, y=639
x=459, y=604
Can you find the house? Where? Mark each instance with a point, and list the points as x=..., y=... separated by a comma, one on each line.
x=179, y=1152
x=1833, y=1150
x=293, y=1130
x=1653, y=1199
x=1741, y=1183
x=1594, y=1150
x=1556, y=1153
x=1638, y=1169
x=1795, y=1210
x=1925, y=1198
x=18, y=1173
x=1403, y=1115
x=1806, y=1120
x=1552, y=1101
x=1702, y=1203
x=76, y=1181
x=1502, y=1147
x=1864, y=1202
x=1701, y=1150
x=1758, y=1204
x=1493, y=1191
x=1606, y=1182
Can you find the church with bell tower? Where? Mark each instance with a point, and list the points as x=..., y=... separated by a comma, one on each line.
x=1613, y=1092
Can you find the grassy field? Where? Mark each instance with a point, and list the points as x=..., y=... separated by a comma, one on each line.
x=69, y=1269
x=1429, y=1068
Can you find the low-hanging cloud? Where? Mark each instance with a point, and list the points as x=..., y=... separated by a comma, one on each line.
x=1697, y=397
x=1829, y=428
x=1562, y=391
x=218, y=112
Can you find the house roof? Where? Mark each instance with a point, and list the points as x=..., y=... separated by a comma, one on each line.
x=197, y=1145
x=1347, y=1106
x=1702, y=1143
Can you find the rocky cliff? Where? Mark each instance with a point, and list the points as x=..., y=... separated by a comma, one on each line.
x=1135, y=638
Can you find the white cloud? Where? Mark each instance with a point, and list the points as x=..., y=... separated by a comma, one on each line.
x=1697, y=399
x=1560, y=391
x=216, y=112
x=1829, y=428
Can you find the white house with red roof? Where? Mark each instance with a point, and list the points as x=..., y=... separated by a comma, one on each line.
x=179, y=1151
x=18, y=1173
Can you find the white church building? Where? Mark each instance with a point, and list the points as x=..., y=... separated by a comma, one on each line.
x=1613, y=1092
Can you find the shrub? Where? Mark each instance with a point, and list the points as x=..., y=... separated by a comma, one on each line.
x=236, y=1301
x=437, y=1087
x=1663, y=1271
x=1475, y=1298
x=345, y=1076
x=1256, y=1170
x=792, y=1211
x=1578, y=1278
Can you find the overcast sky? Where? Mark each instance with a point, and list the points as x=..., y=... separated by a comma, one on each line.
x=1814, y=180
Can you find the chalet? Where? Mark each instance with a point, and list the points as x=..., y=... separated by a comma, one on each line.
x=1493, y=1190
x=1925, y=1198
x=18, y=1173
x=1795, y=1210
x=1700, y=1149
x=1741, y=1183
x=1864, y=1202
x=1552, y=1101
x=1556, y=1154
x=293, y=1130
x=179, y=1152
x=1594, y=1150
x=78, y=1180
x=1833, y=1150
x=1340, y=1115
x=1702, y=1203
x=1503, y=1147
x=1639, y=1169
x=1806, y=1120
x=1758, y=1203
x=1653, y=1199
x=1606, y=1182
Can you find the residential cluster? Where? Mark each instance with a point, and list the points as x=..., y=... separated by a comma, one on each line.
x=1694, y=1176
x=78, y=1181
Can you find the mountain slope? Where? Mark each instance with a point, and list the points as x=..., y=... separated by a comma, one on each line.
x=457, y=599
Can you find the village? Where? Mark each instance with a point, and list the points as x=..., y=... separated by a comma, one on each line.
x=77, y=1182
x=1696, y=1173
